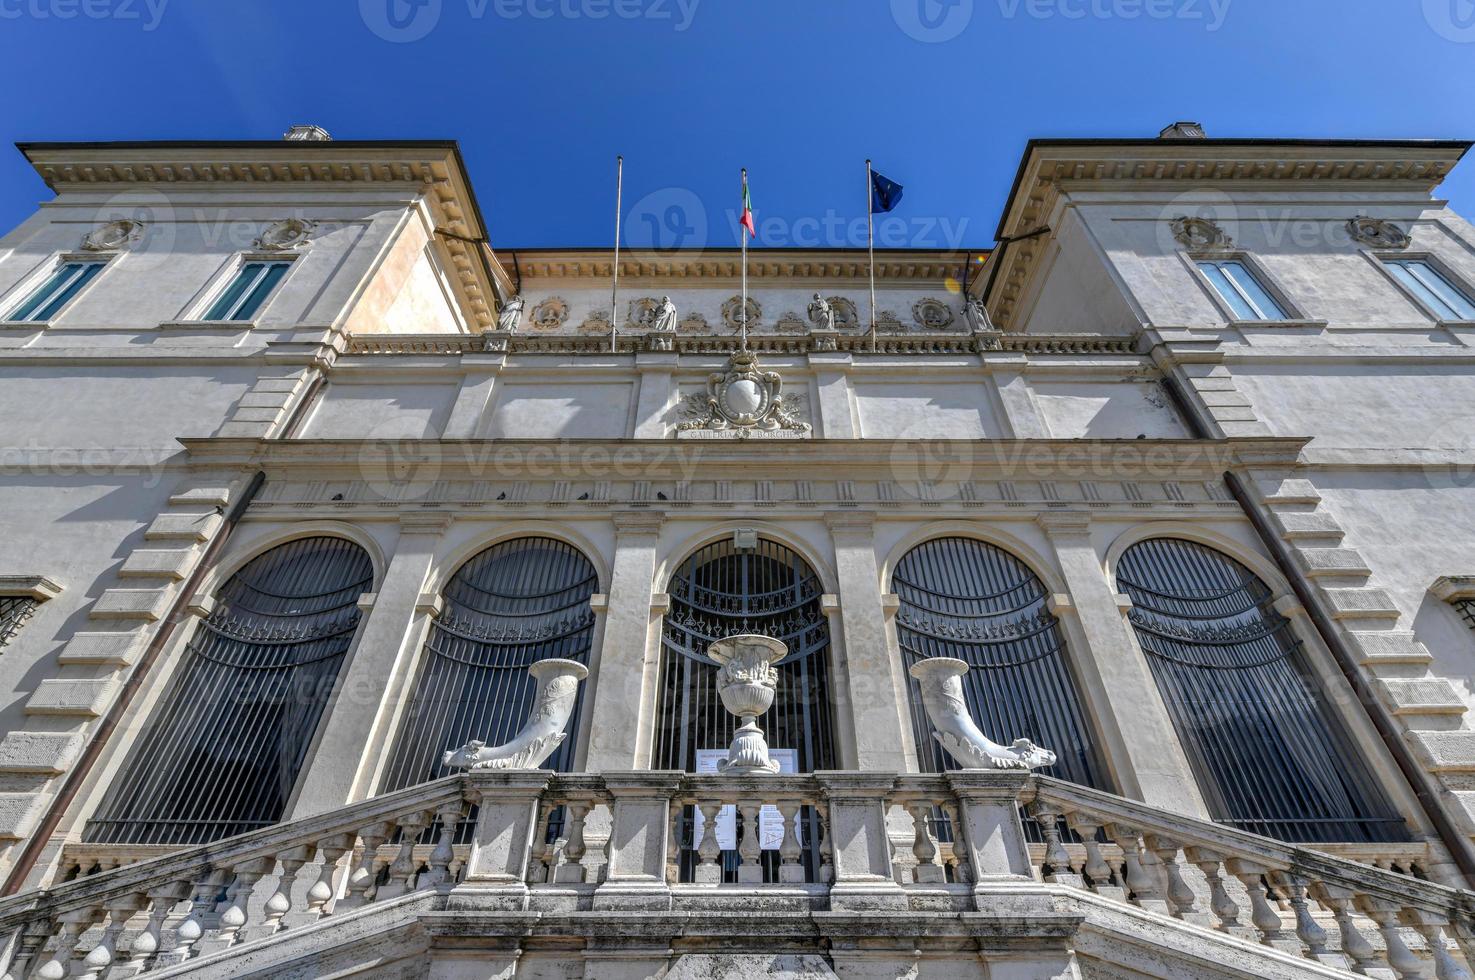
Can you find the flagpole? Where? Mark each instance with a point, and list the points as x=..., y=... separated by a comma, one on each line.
x=743, y=309
x=614, y=314
x=871, y=247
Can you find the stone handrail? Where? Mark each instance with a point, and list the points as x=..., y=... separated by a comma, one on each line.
x=1145, y=869
x=835, y=841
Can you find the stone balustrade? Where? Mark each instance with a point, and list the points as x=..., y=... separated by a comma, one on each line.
x=837, y=842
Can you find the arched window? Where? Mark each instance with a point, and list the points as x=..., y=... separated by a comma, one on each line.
x=512, y=605
x=222, y=754
x=722, y=591
x=1269, y=754
x=975, y=602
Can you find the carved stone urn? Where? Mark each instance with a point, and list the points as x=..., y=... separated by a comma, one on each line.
x=746, y=682
x=941, y=682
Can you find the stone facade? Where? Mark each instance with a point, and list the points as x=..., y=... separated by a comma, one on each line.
x=378, y=397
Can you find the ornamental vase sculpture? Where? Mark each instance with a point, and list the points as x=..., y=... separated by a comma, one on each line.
x=746, y=682
x=941, y=681
x=542, y=734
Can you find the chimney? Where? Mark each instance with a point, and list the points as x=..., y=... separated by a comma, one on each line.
x=316, y=134
x=1184, y=131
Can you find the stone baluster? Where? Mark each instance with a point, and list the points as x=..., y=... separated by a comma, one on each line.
x=237, y=901
x=545, y=847
x=1056, y=856
x=145, y=946
x=750, y=845
x=100, y=958
x=28, y=944
x=59, y=964
x=790, y=853
x=962, y=872
x=709, y=870
x=362, y=882
x=1354, y=944
x=1263, y=915
x=1308, y=930
x=571, y=869
x=924, y=847
x=1096, y=866
x=191, y=930
x=673, y=843
x=1400, y=957
x=274, y=912
x=1181, y=898
x=324, y=890
x=1224, y=908
x=404, y=866
x=439, y=876
x=1144, y=888
x=827, y=846
x=1432, y=927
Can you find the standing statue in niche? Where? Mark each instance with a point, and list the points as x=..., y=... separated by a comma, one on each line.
x=977, y=316
x=510, y=314
x=821, y=314
x=663, y=318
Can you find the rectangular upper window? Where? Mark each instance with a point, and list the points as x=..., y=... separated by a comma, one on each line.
x=1444, y=298
x=248, y=291
x=1238, y=287
x=47, y=299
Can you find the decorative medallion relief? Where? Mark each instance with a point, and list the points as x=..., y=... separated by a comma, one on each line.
x=932, y=314
x=1200, y=233
x=597, y=322
x=730, y=312
x=847, y=317
x=1378, y=232
x=744, y=401
x=550, y=314
x=113, y=235
x=287, y=234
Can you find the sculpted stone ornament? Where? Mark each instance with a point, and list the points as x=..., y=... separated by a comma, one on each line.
x=289, y=233
x=932, y=314
x=822, y=314
x=747, y=682
x=1200, y=233
x=1378, y=232
x=941, y=681
x=744, y=401
x=663, y=317
x=510, y=315
x=540, y=737
x=550, y=314
x=114, y=234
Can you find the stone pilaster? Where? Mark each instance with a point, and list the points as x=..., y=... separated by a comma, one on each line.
x=657, y=393
x=836, y=409
x=620, y=680
x=871, y=688
x=376, y=678
x=474, y=400
x=1117, y=686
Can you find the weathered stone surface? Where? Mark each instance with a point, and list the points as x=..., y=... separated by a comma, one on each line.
x=39, y=752
x=188, y=527
x=66, y=696
x=141, y=604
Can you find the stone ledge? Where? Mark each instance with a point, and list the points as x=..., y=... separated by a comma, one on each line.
x=116, y=649
x=1444, y=751
x=149, y=563
x=1421, y=696
x=19, y=812
x=1298, y=525
x=200, y=497
x=183, y=527
x=1326, y=562
x=1389, y=647
x=1289, y=492
x=45, y=753
x=147, y=605
x=84, y=697
x=1361, y=604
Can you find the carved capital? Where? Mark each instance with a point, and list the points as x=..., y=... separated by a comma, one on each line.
x=637, y=523
x=426, y=522
x=851, y=523
x=1065, y=523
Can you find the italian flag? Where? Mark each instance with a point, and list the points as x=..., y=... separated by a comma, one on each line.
x=747, y=221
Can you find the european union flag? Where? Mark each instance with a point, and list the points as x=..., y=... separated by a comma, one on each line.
x=885, y=194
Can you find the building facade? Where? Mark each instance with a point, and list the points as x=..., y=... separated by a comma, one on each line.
x=303, y=477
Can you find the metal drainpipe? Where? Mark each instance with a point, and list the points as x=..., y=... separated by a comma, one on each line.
x=1423, y=786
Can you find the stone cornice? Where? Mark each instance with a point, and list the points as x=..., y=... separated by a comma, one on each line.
x=710, y=266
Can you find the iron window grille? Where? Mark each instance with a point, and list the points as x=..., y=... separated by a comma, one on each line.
x=14, y=611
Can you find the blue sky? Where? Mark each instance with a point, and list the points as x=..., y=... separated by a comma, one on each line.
x=543, y=94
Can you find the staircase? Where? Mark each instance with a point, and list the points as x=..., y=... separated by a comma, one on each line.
x=533, y=874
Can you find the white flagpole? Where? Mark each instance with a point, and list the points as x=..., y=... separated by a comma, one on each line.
x=743, y=310
x=614, y=315
x=871, y=247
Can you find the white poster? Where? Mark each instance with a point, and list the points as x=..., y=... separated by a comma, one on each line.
x=770, y=821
